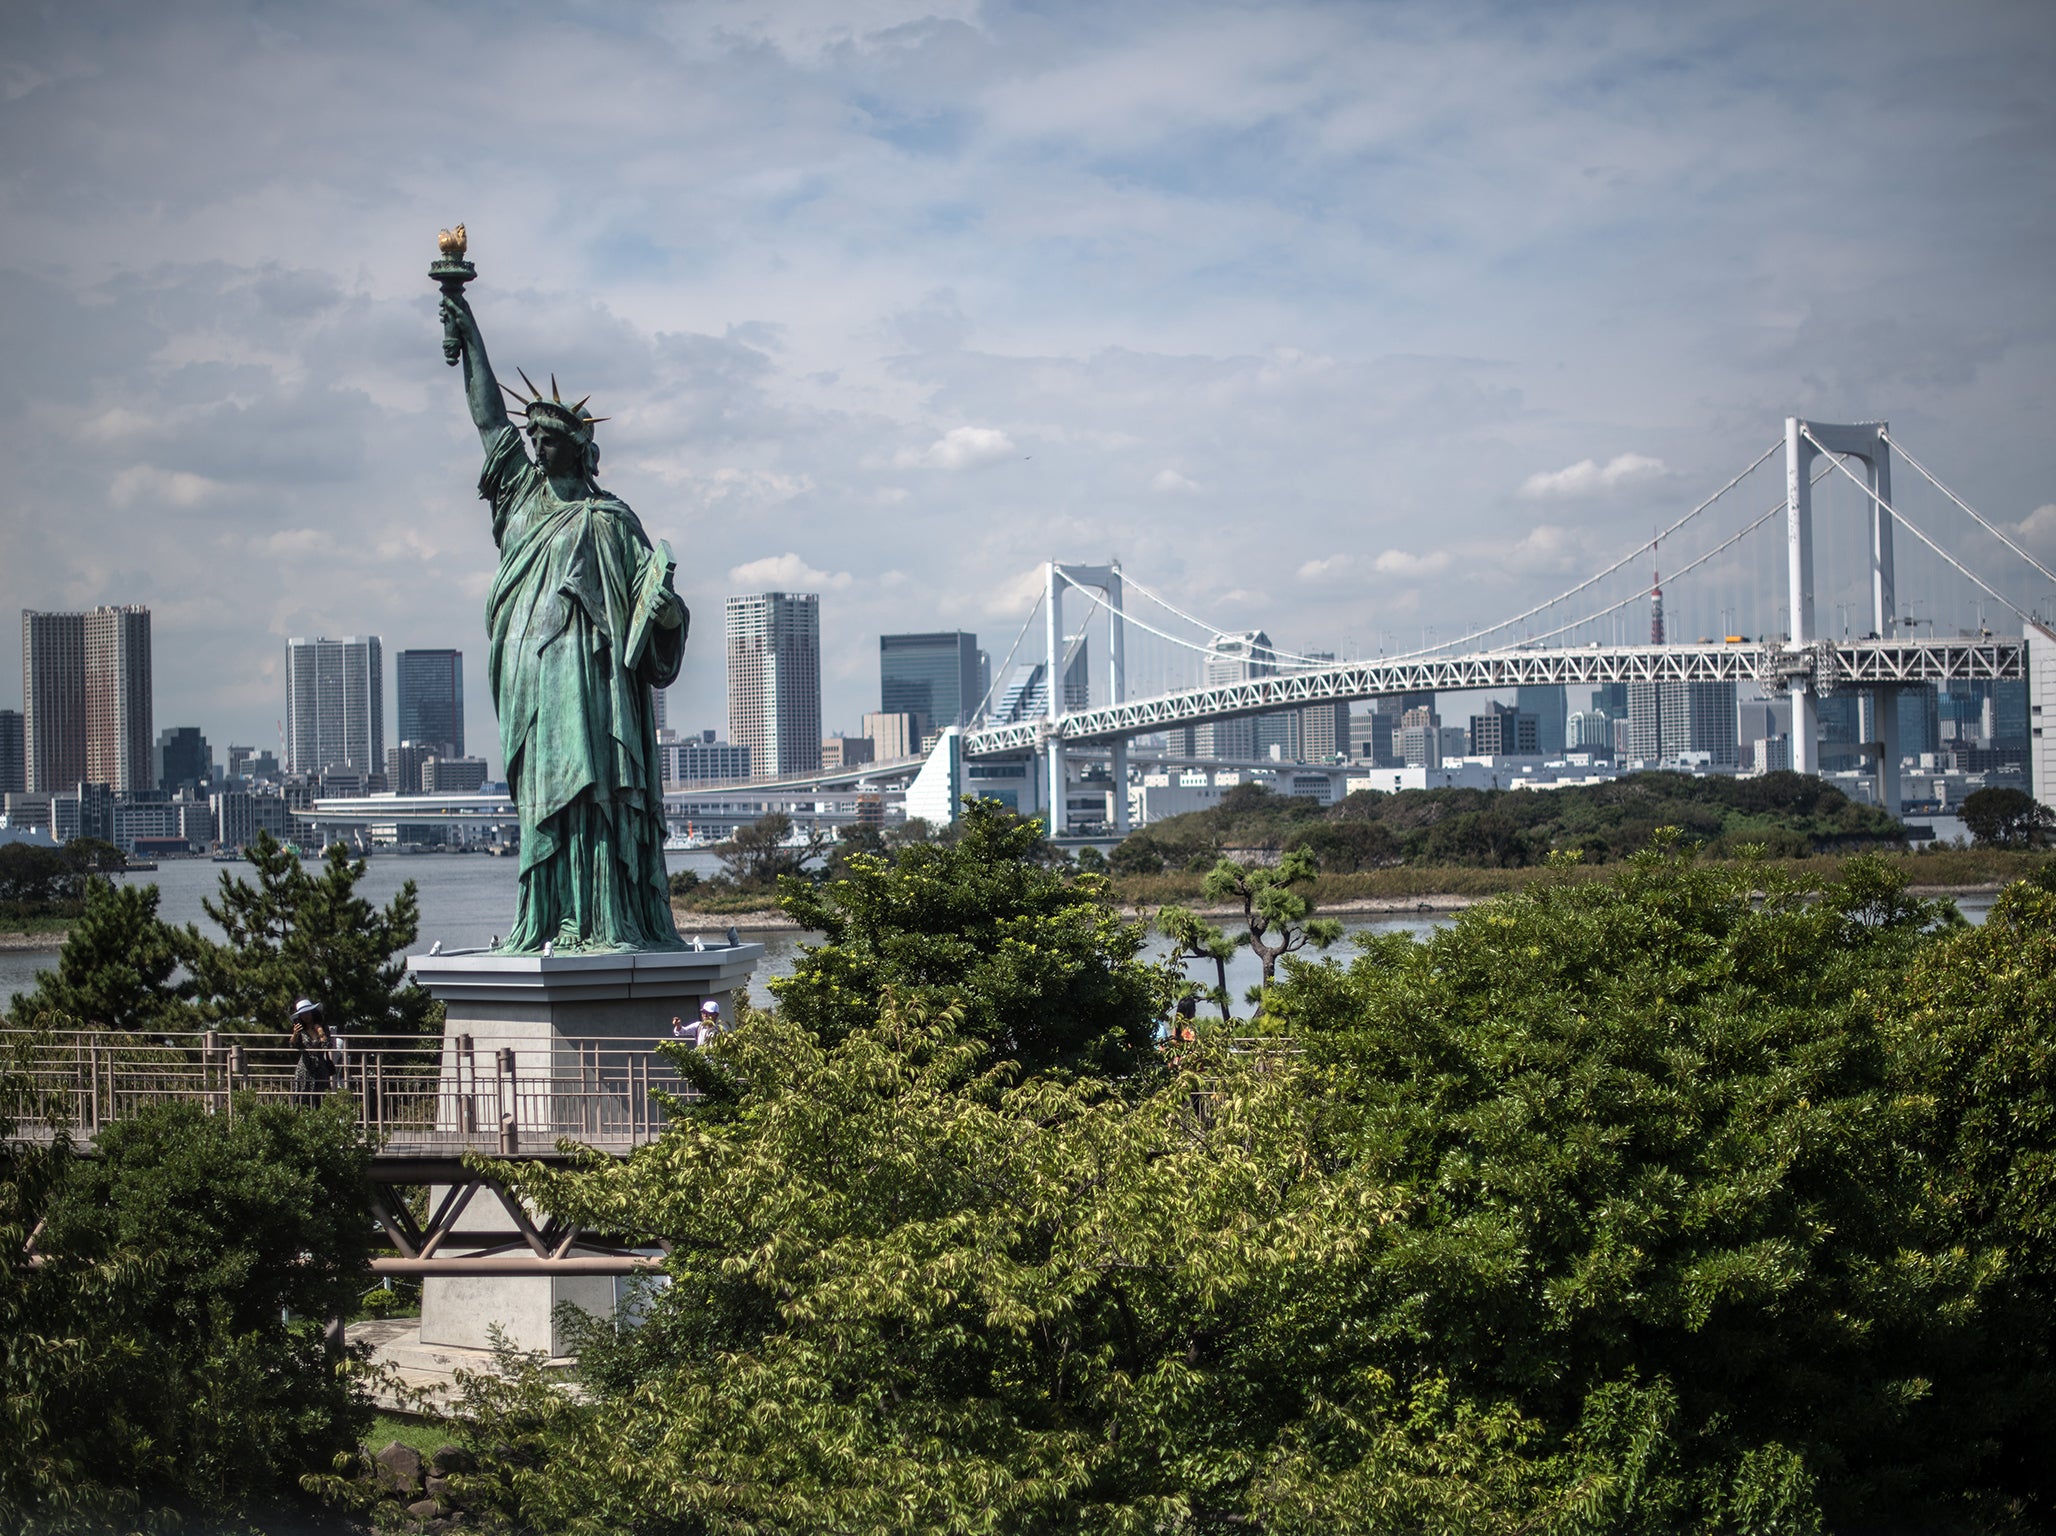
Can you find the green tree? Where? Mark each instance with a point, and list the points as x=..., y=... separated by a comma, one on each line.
x=2007, y=818
x=118, y=969
x=1277, y=917
x=1194, y=938
x=760, y=853
x=294, y=933
x=167, y=1352
x=1045, y=969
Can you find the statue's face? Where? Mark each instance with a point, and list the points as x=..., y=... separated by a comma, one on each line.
x=557, y=452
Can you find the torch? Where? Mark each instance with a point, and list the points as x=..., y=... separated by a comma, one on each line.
x=452, y=272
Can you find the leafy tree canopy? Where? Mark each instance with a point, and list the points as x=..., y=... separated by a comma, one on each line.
x=1044, y=968
x=2007, y=818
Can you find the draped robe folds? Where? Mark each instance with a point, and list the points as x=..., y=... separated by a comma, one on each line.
x=577, y=728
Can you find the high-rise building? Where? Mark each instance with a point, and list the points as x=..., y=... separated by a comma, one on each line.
x=14, y=767
x=703, y=760
x=403, y=766
x=1551, y=709
x=86, y=698
x=893, y=736
x=182, y=760
x=1323, y=729
x=335, y=704
x=1420, y=737
x=118, y=698
x=53, y=695
x=1504, y=731
x=429, y=688
x=1235, y=659
x=1027, y=691
x=1667, y=720
x=846, y=751
x=774, y=680
x=934, y=675
x=453, y=775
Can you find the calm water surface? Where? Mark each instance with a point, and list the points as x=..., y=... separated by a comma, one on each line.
x=467, y=900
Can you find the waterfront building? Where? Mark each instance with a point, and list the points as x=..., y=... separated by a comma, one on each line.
x=85, y=810
x=453, y=775
x=240, y=814
x=429, y=686
x=703, y=760
x=14, y=766
x=403, y=765
x=118, y=698
x=53, y=693
x=846, y=751
x=934, y=675
x=335, y=704
x=774, y=680
x=182, y=760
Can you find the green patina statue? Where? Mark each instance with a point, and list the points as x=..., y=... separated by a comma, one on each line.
x=582, y=623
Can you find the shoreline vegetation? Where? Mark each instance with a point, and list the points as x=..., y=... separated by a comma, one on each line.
x=1395, y=891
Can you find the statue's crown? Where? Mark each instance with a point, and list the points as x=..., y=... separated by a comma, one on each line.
x=573, y=419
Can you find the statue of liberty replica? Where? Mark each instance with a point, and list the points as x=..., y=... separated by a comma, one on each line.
x=582, y=622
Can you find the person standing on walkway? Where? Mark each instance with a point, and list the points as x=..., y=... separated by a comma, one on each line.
x=314, y=1070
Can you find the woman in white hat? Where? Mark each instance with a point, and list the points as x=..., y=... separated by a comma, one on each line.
x=314, y=1073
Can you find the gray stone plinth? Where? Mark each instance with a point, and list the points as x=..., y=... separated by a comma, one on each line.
x=539, y=1049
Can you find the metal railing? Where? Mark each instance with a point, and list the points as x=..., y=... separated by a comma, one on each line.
x=411, y=1095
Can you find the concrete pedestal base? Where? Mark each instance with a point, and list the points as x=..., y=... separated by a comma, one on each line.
x=566, y=1045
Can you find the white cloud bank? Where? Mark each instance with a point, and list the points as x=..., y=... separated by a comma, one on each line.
x=958, y=448
x=785, y=573
x=1588, y=476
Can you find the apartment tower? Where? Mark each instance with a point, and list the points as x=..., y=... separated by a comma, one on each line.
x=86, y=699
x=774, y=681
x=335, y=704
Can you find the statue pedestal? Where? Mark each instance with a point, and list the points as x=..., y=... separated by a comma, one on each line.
x=539, y=1049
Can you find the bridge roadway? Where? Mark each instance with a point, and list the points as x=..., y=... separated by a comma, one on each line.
x=1829, y=665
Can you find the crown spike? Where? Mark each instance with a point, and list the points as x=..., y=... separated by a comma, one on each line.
x=534, y=393
x=580, y=406
x=553, y=390
x=592, y=420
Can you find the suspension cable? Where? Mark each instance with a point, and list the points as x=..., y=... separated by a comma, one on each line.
x=1001, y=671
x=1591, y=581
x=1163, y=602
x=1684, y=570
x=1900, y=518
x=1988, y=527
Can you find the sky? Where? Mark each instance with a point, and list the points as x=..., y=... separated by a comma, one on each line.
x=1347, y=321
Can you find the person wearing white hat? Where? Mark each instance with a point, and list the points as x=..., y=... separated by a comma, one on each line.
x=710, y=1021
x=314, y=1073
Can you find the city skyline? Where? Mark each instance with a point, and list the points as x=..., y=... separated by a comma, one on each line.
x=1332, y=320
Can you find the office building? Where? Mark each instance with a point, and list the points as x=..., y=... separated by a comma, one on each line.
x=1420, y=738
x=403, y=765
x=1504, y=731
x=453, y=775
x=703, y=760
x=934, y=675
x=1590, y=730
x=182, y=760
x=240, y=814
x=429, y=687
x=118, y=698
x=335, y=704
x=774, y=680
x=1669, y=720
x=846, y=752
x=893, y=737
x=1026, y=696
x=1322, y=729
x=85, y=810
x=1234, y=659
x=1613, y=698
x=1551, y=709
x=14, y=766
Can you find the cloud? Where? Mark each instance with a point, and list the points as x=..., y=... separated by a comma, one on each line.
x=146, y=482
x=1169, y=482
x=1588, y=476
x=1397, y=562
x=958, y=448
x=2037, y=531
x=786, y=573
x=1327, y=565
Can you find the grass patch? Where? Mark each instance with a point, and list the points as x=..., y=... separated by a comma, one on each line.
x=48, y=922
x=425, y=1435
